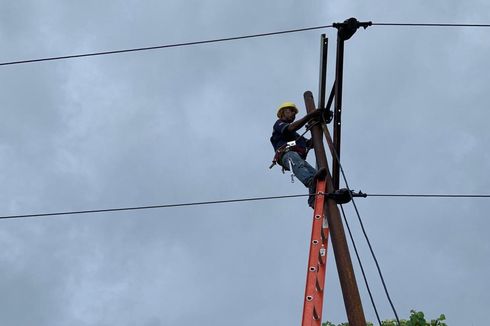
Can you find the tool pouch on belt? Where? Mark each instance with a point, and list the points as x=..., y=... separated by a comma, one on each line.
x=283, y=150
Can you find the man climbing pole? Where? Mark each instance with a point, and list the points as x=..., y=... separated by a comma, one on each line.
x=291, y=148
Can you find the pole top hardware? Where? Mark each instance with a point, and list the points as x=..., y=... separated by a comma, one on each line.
x=344, y=195
x=327, y=116
x=349, y=27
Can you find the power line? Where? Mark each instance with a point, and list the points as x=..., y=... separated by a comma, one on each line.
x=372, y=253
x=430, y=25
x=164, y=46
x=361, y=266
x=64, y=57
x=227, y=201
x=336, y=157
x=151, y=207
x=432, y=195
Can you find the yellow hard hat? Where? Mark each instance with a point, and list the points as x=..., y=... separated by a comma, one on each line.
x=289, y=105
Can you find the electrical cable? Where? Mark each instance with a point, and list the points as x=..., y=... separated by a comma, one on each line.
x=369, y=245
x=223, y=202
x=372, y=251
x=360, y=265
x=91, y=54
x=164, y=46
x=432, y=195
x=367, y=238
x=430, y=25
x=151, y=207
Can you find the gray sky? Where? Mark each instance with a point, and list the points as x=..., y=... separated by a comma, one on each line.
x=193, y=124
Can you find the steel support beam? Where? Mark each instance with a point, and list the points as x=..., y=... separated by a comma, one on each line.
x=345, y=31
x=337, y=124
x=322, y=84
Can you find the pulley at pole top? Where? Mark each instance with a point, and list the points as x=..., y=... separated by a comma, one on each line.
x=349, y=27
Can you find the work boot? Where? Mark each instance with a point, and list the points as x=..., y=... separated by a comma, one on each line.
x=311, y=201
x=312, y=191
x=320, y=175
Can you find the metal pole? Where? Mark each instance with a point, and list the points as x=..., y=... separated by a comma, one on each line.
x=339, y=68
x=352, y=299
x=323, y=71
x=345, y=31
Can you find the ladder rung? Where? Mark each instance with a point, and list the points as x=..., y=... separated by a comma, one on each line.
x=324, y=236
x=317, y=285
x=316, y=315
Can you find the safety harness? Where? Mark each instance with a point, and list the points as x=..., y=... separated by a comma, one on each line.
x=326, y=117
x=289, y=146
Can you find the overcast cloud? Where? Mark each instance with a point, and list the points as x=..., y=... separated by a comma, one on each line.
x=193, y=124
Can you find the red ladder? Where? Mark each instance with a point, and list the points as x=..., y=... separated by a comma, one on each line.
x=317, y=262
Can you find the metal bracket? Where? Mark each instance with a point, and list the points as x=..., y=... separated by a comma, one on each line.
x=327, y=116
x=349, y=27
x=344, y=195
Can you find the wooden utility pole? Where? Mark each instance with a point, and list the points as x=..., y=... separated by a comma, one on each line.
x=350, y=291
x=352, y=300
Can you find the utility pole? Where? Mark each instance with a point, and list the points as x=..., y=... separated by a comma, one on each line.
x=352, y=300
x=330, y=210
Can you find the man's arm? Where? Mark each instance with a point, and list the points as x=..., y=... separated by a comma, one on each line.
x=296, y=125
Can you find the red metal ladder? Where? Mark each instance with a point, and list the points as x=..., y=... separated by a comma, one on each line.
x=317, y=262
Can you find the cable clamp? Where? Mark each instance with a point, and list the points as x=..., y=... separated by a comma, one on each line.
x=349, y=27
x=327, y=116
x=342, y=196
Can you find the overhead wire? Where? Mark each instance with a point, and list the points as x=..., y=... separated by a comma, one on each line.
x=105, y=210
x=360, y=265
x=237, y=200
x=164, y=46
x=247, y=199
x=337, y=158
x=64, y=57
x=431, y=25
x=373, y=255
x=432, y=195
x=225, y=39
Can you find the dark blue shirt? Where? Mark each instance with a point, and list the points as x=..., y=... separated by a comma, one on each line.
x=281, y=135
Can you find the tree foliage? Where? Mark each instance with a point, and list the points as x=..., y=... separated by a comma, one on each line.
x=417, y=318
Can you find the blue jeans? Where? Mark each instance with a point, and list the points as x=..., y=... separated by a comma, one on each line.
x=302, y=170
